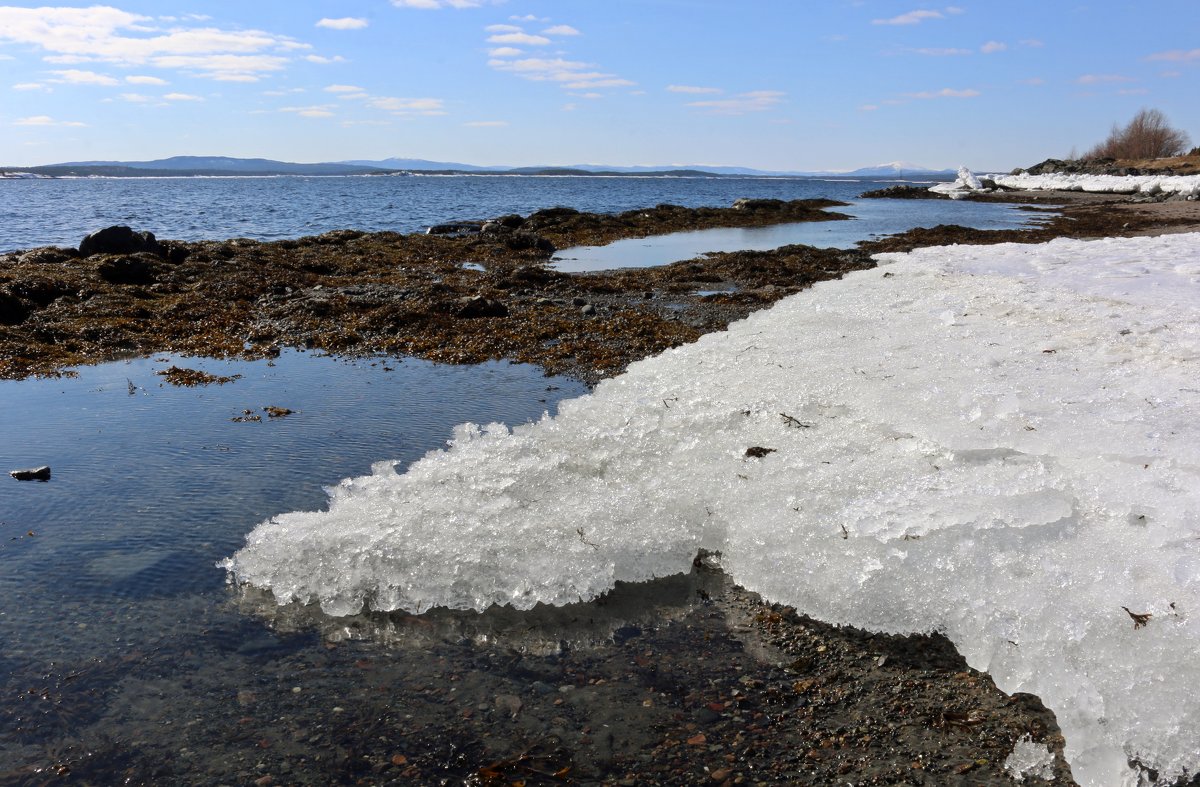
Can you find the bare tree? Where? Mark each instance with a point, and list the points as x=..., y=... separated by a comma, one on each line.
x=1148, y=135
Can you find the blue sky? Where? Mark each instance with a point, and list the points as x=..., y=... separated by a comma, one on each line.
x=772, y=84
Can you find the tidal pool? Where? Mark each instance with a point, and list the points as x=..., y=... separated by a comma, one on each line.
x=872, y=218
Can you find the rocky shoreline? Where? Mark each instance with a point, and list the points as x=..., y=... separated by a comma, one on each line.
x=720, y=689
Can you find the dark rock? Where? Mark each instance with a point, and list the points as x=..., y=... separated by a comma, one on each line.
x=512, y=221
x=551, y=215
x=138, y=269
x=456, y=228
x=521, y=240
x=479, y=306
x=13, y=310
x=175, y=252
x=588, y=310
x=119, y=240
x=534, y=274
x=902, y=192
x=47, y=255
x=33, y=474
x=751, y=205
x=577, y=301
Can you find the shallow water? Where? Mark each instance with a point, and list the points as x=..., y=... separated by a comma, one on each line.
x=109, y=567
x=872, y=218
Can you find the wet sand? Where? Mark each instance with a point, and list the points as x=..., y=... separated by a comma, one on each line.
x=685, y=681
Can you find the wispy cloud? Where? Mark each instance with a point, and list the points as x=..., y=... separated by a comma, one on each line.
x=46, y=120
x=110, y=35
x=139, y=79
x=343, y=23
x=940, y=52
x=409, y=106
x=73, y=76
x=570, y=74
x=1177, y=55
x=29, y=86
x=945, y=93
x=918, y=16
x=1103, y=79
x=344, y=89
x=743, y=103
x=322, y=61
x=317, y=111
x=182, y=97
x=519, y=38
x=486, y=124
x=692, y=89
x=992, y=47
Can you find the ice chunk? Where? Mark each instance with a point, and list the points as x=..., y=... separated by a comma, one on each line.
x=1029, y=759
x=1182, y=185
x=963, y=185
x=1023, y=477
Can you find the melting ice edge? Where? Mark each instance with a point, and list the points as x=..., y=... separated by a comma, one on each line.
x=999, y=443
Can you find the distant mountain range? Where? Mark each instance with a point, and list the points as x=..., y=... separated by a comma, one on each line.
x=218, y=166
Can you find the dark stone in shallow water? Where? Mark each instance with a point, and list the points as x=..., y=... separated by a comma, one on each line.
x=119, y=240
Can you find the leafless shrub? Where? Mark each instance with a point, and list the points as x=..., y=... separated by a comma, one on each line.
x=1148, y=135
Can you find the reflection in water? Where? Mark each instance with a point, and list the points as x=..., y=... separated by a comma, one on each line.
x=541, y=631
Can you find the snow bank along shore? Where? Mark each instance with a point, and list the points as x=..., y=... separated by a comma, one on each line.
x=1185, y=186
x=999, y=443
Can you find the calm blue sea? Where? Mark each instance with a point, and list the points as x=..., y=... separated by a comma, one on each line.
x=61, y=211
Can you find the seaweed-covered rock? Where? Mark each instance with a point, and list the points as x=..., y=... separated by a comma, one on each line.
x=119, y=240
x=479, y=306
x=138, y=269
x=13, y=310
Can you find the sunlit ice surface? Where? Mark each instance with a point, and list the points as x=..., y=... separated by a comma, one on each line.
x=997, y=443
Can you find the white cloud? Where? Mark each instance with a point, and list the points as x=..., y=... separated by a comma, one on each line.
x=504, y=29
x=73, y=76
x=45, y=120
x=1132, y=91
x=109, y=35
x=486, y=124
x=505, y=51
x=991, y=47
x=1031, y=43
x=182, y=97
x=1102, y=79
x=911, y=18
x=594, y=82
x=868, y=107
x=343, y=23
x=410, y=106
x=560, y=30
x=1033, y=81
x=519, y=38
x=754, y=101
x=145, y=80
x=1177, y=55
x=692, y=89
x=529, y=18
x=945, y=93
x=136, y=98
x=344, y=89
x=29, y=86
x=319, y=111
x=323, y=61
